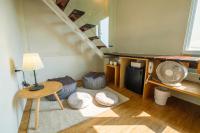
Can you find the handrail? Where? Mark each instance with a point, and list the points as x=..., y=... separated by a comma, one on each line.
x=72, y=25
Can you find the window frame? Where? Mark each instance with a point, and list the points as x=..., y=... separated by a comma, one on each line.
x=190, y=25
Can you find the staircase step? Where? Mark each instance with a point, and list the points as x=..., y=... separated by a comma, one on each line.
x=86, y=27
x=76, y=14
x=103, y=46
x=62, y=4
x=93, y=38
x=99, y=47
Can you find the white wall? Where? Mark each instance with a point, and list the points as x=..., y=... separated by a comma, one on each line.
x=155, y=27
x=59, y=48
x=10, y=57
x=151, y=26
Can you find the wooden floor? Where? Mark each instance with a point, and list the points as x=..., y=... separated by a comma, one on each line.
x=138, y=116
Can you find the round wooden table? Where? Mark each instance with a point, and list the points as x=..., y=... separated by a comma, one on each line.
x=50, y=88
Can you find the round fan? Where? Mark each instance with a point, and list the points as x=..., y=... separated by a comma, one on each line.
x=171, y=73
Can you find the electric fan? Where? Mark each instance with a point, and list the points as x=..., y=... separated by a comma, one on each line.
x=171, y=73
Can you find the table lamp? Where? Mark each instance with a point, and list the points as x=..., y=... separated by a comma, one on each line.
x=33, y=62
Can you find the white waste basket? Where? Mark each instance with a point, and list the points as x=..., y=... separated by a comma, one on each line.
x=161, y=95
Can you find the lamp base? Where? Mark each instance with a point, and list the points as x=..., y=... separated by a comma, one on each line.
x=36, y=87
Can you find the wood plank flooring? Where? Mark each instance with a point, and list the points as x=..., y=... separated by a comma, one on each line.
x=140, y=116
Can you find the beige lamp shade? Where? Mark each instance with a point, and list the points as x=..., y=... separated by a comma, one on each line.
x=32, y=61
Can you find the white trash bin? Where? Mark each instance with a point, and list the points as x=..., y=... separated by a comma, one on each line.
x=161, y=95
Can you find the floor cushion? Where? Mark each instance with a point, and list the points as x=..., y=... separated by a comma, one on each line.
x=106, y=98
x=69, y=87
x=79, y=100
x=94, y=80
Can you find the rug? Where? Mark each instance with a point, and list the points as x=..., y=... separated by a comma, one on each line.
x=52, y=119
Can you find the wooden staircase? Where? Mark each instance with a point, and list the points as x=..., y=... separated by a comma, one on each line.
x=58, y=8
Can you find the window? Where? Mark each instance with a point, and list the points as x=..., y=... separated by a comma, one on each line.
x=103, y=31
x=192, y=40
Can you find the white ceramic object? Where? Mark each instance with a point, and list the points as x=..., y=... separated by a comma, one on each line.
x=111, y=62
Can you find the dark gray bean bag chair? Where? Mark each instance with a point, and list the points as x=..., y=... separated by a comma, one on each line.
x=94, y=80
x=69, y=87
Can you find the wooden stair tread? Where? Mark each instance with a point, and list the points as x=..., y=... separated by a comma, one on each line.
x=76, y=14
x=99, y=47
x=62, y=4
x=103, y=46
x=93, y=38
x=86, y=27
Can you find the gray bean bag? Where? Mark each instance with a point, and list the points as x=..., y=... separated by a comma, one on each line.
x=69, y=87
x=94, y=80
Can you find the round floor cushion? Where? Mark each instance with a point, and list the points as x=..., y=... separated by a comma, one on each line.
x=94, y=80
x=106, y=98
x=79, y=100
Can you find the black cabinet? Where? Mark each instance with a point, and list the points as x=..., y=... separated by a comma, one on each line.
x=134, y=79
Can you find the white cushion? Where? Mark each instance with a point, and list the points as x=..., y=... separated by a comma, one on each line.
x=106, y=98
x=79, y=100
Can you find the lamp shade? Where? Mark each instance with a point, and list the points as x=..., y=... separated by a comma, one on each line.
x=32, y=61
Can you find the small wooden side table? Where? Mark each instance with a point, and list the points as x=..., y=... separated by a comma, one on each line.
x=50, y=87
x=112, y=73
